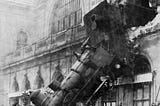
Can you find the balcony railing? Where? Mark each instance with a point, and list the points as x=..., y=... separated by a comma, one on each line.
x=48, y=43
x=43, y=45
x=29, y=50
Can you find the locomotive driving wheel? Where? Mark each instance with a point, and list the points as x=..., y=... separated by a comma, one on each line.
x=68, y=98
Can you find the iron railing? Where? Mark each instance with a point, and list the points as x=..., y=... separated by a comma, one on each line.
x=48, y=43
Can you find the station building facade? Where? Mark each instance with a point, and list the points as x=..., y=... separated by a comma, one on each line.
x=32, y=65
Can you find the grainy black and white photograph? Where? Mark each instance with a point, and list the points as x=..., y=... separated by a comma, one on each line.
x=79, y=52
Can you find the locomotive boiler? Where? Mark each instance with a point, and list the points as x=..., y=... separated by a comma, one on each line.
x=105, y=55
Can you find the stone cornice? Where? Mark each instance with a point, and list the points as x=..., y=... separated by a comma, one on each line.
x=48, y=52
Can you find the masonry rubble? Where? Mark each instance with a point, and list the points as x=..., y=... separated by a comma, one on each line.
x=151, y=26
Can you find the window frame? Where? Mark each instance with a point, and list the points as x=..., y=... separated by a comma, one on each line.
x=107, y=100
x=141, y=100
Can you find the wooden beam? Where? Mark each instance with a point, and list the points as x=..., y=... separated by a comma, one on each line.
x=141, y=78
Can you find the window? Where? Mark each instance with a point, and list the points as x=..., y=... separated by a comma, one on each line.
x=71, y=5
x=54, y=27
x=22, y=39
x=141, y=94
x=77, y=4
x=67, y=22
x=73, y=15
x=142, y=65
x=79, y=16
x=60, y=25
x=109, y=99
x=74, y=5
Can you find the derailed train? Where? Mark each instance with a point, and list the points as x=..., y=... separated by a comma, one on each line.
x=106, y=54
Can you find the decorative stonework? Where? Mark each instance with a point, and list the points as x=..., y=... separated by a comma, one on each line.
x=38, y=82
x=15, y=86
x=25, y=83
x=57, y=74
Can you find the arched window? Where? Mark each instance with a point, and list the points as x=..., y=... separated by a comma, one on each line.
x=22, y=39
x=142, y=65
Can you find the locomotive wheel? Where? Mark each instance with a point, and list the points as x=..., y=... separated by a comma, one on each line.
x=68, y=98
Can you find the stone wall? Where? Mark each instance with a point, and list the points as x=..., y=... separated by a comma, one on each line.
x=12, y=20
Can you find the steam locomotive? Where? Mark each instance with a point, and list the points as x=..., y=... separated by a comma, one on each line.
x=106, y=54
